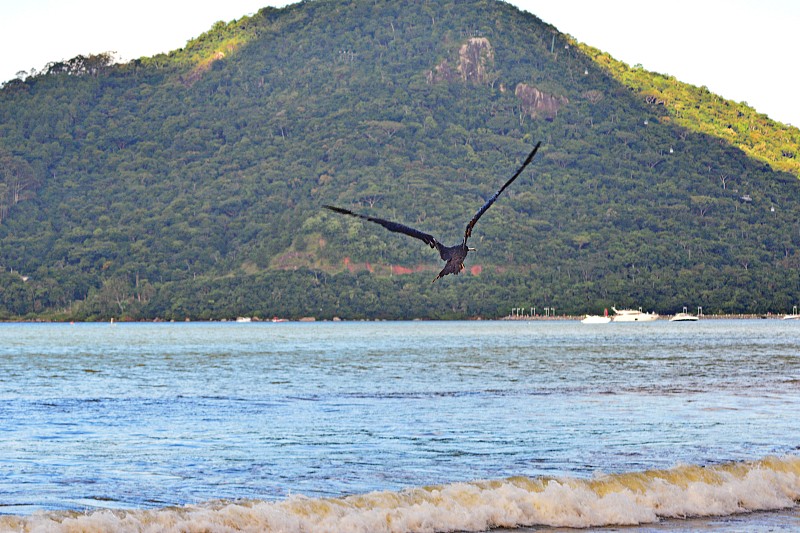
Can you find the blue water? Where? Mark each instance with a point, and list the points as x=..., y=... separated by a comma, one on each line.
x=206, y=417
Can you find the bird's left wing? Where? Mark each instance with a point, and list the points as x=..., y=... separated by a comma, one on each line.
x=491, y=200
x=391, y=226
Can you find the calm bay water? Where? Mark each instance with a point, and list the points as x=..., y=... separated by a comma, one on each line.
x=399, y=426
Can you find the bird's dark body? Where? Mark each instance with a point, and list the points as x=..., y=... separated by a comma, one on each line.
x=453, y=255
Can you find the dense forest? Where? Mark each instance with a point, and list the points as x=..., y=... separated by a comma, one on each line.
x=189, y=184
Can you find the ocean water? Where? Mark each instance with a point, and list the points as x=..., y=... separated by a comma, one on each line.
x=400, y=426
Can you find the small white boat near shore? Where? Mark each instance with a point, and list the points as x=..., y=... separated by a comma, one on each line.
x=596, y=319
x=684, y=317
x=633, y=315
x=793, y=315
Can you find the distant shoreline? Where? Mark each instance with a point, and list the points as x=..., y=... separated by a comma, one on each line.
x=538, y=318
x=765, y=316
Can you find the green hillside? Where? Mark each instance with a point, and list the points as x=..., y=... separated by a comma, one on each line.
x=698, y=109
x=189, y=185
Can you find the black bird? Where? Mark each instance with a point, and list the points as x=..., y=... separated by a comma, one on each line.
x=454, y=255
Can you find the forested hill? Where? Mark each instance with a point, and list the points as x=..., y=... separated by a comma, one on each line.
x=189, y=185
x=698, y=109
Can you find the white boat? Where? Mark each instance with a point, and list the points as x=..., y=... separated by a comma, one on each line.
x=244, y=319
x=633, y=315
x=684, y=317
x=596, y=319
x=793, y=315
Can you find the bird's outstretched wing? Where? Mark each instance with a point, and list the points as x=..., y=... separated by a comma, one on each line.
x=391, y=226
x=491, y=200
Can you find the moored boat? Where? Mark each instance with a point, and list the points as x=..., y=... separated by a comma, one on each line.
x=596, y=319
x=633, y=315
x=684, y=317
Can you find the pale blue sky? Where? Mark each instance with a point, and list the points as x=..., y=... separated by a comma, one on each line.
x=745, y=50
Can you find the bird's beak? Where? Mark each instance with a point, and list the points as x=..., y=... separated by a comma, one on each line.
x=472, y=249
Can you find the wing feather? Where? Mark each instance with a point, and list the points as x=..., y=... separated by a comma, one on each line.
x=491, y=200
x=391, y=226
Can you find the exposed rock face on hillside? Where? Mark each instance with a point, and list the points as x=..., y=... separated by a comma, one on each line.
x=475, y=58
x=441, y=72
x=475, y=62
x=475, y=66
x=536, y=103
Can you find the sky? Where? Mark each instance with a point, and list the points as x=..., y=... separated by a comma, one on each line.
x=744, y=50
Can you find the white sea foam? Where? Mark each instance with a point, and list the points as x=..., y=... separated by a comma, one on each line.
x=618, y=499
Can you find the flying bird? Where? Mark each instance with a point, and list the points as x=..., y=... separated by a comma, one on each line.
x=453, y=255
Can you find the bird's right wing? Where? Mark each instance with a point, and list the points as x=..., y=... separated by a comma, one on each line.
x=491, y=200
x=391, y=226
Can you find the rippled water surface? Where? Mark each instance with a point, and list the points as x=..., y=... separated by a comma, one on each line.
x=140, y=417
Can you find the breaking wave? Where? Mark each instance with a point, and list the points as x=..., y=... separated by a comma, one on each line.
x=605, y=500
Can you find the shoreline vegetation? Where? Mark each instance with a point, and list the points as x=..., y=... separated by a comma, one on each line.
x=309, y=319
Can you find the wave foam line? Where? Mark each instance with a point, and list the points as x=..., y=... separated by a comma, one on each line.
x=608, y=500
